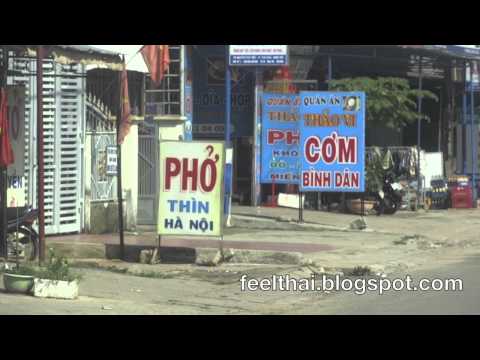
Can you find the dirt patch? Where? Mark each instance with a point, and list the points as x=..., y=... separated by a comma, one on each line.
x=79, y=250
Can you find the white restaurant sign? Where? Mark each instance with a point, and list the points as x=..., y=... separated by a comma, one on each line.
x=16, y=127
x=258, y=55
x=191, y=188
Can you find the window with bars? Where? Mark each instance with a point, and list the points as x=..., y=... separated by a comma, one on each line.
x=166, y=101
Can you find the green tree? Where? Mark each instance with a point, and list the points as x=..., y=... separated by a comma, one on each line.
x=390, y=101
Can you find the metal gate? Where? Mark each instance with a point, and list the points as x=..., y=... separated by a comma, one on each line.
x=64, y=123
x=147, y=173
x=101, y=133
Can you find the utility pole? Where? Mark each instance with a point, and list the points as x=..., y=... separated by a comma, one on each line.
x=119, y=167
x=472, y=138
x=3, y=172
x=419, y=129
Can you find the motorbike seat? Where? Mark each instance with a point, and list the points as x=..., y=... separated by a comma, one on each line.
x=14, y=214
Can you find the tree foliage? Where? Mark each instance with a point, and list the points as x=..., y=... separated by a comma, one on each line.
x=390, y=101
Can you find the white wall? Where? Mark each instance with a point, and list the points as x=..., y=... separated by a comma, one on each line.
x=130, y=176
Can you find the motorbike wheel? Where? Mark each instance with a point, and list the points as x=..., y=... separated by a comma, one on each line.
x=27, y=241
x=391, y=206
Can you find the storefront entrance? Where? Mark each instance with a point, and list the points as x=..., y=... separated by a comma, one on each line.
x=209, y=112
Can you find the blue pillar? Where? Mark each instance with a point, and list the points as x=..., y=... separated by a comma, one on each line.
x=228, y=140
x=257, y=133
x=464, y=122
x=188, y=92
x=228, y=99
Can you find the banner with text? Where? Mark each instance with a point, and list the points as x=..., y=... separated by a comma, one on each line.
x=332, y=127
x=16, y=118
x=258, y=55
x=280, y=139
x=191, y=188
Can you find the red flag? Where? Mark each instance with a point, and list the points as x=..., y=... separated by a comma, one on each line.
x=125, y=122
x=6, y=152
x=157, y=58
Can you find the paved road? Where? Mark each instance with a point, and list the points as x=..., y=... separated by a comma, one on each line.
x=205, y=292
x=466, y=302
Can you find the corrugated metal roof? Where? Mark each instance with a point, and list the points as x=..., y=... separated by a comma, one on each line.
x=82, y=54
x=454, y=51
x=89, y=49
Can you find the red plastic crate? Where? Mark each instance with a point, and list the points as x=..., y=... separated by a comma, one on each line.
x=462, y=197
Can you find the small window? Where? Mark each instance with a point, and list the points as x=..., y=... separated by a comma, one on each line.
x=167, y=99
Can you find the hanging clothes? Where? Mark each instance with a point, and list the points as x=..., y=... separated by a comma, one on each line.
x=387, y=160
x=401, y=160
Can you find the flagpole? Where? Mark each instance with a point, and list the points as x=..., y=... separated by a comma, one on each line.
x=119, y=168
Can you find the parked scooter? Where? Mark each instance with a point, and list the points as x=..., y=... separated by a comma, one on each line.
x=389, y=199
x=20, y=225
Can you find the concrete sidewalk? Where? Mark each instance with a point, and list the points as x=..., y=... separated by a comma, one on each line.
x=431, y=224
x=267, y=237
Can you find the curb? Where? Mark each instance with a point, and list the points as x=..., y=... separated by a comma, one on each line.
x=271, y=223
x=207, y=256
x=78, y=250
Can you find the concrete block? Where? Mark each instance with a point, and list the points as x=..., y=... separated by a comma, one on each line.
x=208, y=257
x=55, y=289
x=359, y=224
x=290, y=201
x=104, y=217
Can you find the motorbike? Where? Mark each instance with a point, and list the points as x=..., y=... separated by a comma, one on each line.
x=22, y=239
x=389, y=199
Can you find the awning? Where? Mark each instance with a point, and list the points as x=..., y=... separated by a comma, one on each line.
x=133, y=58
x=456, y=51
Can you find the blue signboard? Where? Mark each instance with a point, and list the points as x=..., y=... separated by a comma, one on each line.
x=332, y=141
x=280, y=139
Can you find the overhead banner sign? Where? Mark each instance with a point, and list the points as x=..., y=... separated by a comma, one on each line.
x=191, y=188
x=258, y=55
x=332, y=141
x=280, y=139
x=16, y=117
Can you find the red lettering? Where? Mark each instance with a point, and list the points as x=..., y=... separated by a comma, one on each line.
x=347, y=148
x=311, y=151
x=208, y=171
x=275, y=136
x=329, y=150
x=355, y=180
x=172, y=169
x=338, y=179
x=192, y=174
x=306, y=176
x=326, y=179
x=293, y=138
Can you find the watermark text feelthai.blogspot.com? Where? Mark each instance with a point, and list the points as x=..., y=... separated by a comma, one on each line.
x=359, y=286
